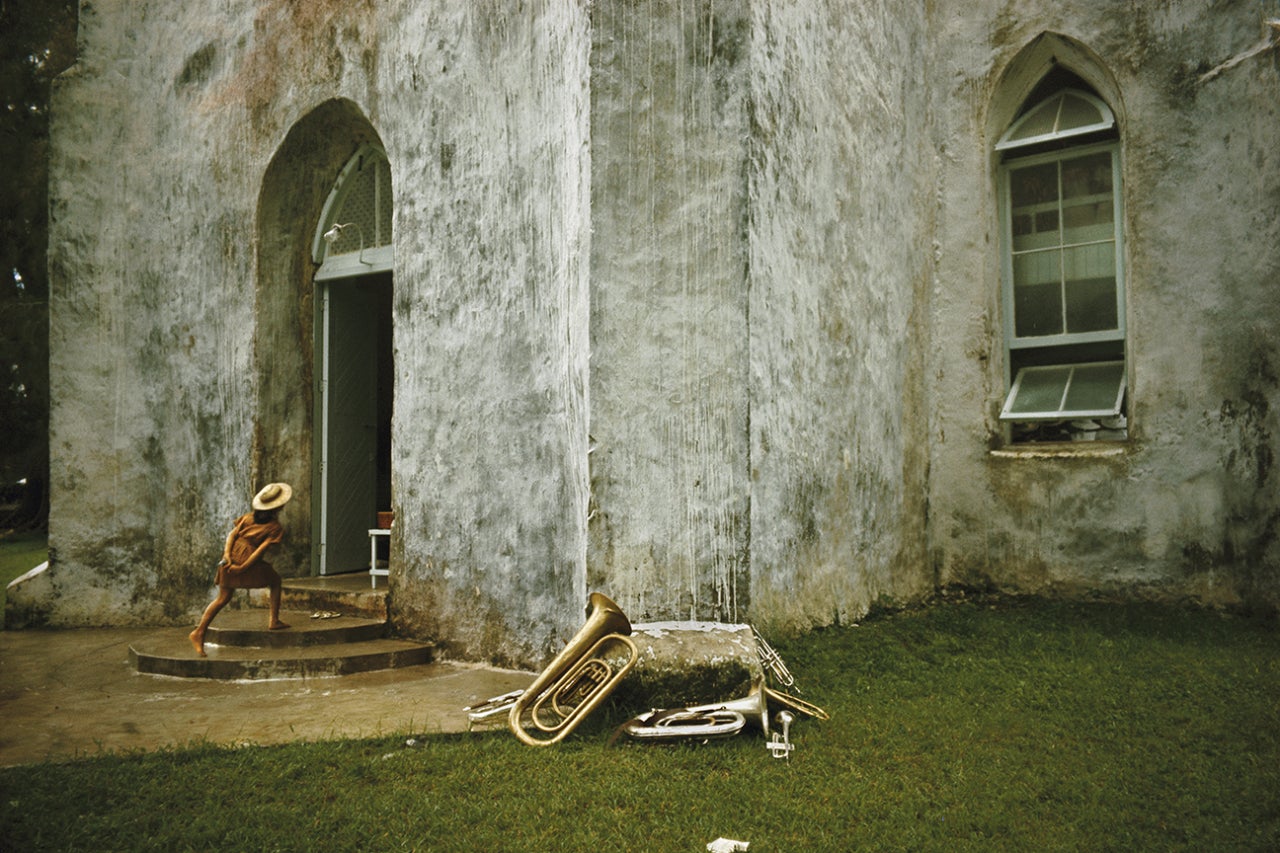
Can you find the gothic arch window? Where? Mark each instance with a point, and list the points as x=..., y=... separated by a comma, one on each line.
x=354, y=232
x=1061, y=211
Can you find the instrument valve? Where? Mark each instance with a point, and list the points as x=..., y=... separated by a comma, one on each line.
x=780, y=746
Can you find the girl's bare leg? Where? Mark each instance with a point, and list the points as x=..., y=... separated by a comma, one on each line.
x=197, y=636
x=275, y=624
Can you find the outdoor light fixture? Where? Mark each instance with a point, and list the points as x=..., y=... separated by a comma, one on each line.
x=331, y=237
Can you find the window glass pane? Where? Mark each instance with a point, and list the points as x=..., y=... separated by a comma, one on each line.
x=1037, y=309
x=1042, y=119
x=1077, y=112
x=1034, y=184
x=1090, y=290
x=1087, y=176
x=1047, y=220
x=1088, y=221
x=1037, y=268
x=1040, y=390
x=1095, y=388
x=1091, y=305
x=1036, y=231
x=1096, y=260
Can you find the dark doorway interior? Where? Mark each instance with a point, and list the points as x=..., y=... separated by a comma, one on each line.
x=355, y=407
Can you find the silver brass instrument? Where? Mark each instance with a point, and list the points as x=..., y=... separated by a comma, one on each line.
x=579, y=678
x=492, y=709
x=772, y=663
x=792, y=703
x=685, y=724
x=660, y=724
x=721, y=719
x=780, y=744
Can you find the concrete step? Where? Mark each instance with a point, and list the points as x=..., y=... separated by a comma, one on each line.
x=348, y=634
x=350, y=595
x=248, y=628
x=169, y=652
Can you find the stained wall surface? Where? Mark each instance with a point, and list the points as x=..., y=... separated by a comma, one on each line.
x=840, y=235
x=1187, y=507
x=670, y=525
x=696, y=304
x=194, y=149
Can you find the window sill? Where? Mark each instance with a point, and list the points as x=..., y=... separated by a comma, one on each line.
x=1063, y=450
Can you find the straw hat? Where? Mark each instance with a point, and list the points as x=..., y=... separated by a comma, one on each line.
x=272, y=496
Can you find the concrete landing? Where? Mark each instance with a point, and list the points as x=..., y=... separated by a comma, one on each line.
x=169, y=653
x=73, y=693
x=337, y=626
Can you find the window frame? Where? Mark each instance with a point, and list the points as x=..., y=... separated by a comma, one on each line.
x=1009, y=142
x=1062, y=412
x=1012, y=340
x=1064, y=349
x=378, y=253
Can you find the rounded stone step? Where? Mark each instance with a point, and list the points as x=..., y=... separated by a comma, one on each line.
x=170, y=653
x=248, y=628
x=351, y=595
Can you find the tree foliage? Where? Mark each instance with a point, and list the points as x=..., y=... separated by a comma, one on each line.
x=37, y=42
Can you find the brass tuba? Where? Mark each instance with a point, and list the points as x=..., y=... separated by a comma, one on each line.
x=579, y=678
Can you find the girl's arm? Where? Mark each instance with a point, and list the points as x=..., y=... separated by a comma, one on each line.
x=253, y=558
x=226, y=549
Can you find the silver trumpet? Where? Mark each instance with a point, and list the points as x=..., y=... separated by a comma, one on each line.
x=773, y=664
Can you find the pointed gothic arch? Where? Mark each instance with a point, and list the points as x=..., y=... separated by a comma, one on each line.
x=353, y=233
x=297, y=188
x=1057, y=160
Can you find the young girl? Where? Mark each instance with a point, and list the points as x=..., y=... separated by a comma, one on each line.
x=242, y=566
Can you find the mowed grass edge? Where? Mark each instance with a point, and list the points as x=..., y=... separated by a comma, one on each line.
x=19, y=554
x=973, y=725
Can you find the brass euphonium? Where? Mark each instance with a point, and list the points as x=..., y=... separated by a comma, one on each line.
x=579, y=678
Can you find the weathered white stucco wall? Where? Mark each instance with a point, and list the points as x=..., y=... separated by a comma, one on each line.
x=151, y=252
x=694, y=303
x=1188, y=506
x=194, y=150
x=491, y=331
x=841, y=181
x=760, y=202
x=670, y=527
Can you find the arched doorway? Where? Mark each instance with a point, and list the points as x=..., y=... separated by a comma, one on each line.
x=353, y=363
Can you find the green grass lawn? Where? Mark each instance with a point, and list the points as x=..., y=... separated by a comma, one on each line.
x=19, y=554
x=966, y=726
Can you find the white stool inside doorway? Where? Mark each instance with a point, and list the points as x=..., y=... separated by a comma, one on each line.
x=374, y=571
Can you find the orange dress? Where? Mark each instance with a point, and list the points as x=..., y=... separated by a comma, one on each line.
x=248, y=536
